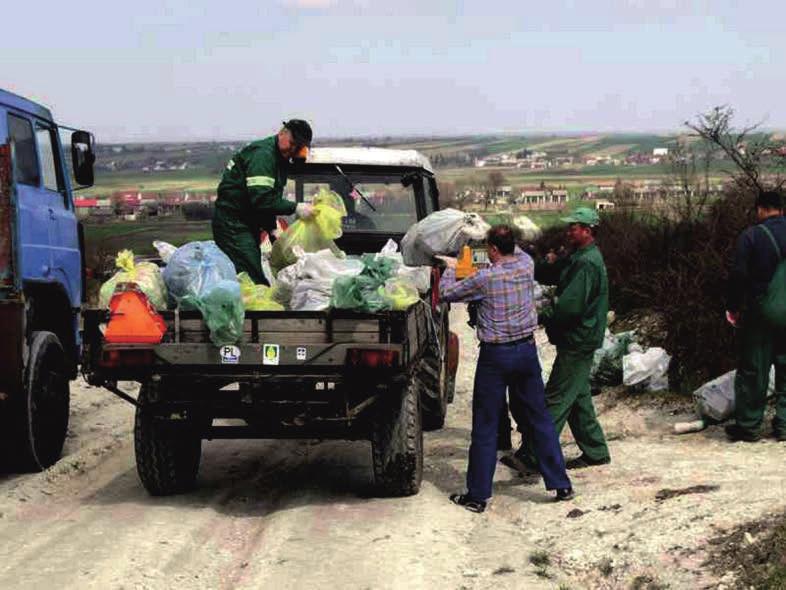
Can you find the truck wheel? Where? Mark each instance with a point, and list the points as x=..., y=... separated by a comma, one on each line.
x=397, y=443
x=433, y=379
x=38, y=420
x=167, y=457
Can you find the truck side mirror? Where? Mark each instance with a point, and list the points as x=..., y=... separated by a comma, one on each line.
x=82, y=157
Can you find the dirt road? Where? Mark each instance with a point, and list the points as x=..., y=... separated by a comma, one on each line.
x=298, y=514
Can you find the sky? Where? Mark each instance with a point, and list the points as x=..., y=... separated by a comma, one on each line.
x=171, y=70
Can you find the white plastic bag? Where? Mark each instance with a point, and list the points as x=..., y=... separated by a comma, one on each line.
x=420, y=276
x=442, y=232
x=529, y=229
x=715, y=399
x=649, y=369
x=164, y=249
x=311, y=295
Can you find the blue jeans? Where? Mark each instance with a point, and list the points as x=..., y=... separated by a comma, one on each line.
x=512, y=367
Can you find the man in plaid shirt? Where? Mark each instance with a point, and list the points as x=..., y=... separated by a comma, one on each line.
x=508, y=360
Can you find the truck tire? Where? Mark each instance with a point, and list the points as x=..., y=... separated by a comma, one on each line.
x=433, y=381
x=38, y=419
x=397, y=443
x=167, y=458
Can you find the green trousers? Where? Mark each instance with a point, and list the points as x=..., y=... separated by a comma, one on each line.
x=760, y=347
x=569, y=400
x=241, y=244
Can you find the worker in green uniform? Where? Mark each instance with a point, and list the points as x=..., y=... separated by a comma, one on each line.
x=251, y=195
x=575, y=324
x=759, y=250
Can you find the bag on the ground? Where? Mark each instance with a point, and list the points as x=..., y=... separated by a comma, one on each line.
x=773, y=303
x=647, y=369
x=607, y=362
x=715, y=399
x=442, y=232
x=145, y=275
x=312, y=234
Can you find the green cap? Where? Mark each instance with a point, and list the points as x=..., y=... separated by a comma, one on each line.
x=583, y=215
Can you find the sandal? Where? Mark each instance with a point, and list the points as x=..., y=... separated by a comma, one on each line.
x=472, y=505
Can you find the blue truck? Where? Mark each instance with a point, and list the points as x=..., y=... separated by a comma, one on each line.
x=42, y=279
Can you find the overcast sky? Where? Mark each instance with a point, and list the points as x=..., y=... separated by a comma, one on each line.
x=199, y=69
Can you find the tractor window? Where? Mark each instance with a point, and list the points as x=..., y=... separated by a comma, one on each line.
x=25, y=158
x=49, y=163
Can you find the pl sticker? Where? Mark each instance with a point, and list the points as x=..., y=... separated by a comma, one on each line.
x=301, y=353
x=270, y=354
x=230, y=355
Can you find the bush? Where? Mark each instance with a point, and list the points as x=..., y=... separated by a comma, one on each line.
x=678, y=270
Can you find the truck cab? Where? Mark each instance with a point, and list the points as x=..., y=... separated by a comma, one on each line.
x=41, y=278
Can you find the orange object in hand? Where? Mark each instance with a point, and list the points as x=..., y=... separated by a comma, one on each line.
x=132, y=319
x=464, y=266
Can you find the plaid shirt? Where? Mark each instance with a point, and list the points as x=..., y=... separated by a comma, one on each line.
x=505, y=291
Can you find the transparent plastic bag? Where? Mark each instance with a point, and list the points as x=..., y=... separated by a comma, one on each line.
x=313, y=234
x=364, y=292
x=146, y=275
x=200, y=276
x=165, y=250
x=400, y=293
x=257, y=297
x=194, y=269
x=648, y=369
x=607, y=362
x=442, y=232
x=715, y=399
x=312, y=295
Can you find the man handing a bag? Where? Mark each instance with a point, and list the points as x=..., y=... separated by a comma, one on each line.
x=251, y=195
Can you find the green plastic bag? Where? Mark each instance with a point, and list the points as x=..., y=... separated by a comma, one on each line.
x=257, y=297
x=313, y=234
x=146, y=275
x=366, y=291
x=607, y=362
x=222, y=310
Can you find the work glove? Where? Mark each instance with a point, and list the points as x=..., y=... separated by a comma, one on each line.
x=304, y=210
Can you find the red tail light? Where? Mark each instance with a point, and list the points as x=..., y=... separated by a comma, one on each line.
x=372, y=358
x=131, y=357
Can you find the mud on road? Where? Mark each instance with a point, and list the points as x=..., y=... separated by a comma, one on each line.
x=300, y=514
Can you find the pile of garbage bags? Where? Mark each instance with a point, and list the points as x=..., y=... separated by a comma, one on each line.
x=622, y=361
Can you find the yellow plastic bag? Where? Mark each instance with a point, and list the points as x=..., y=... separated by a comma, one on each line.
x=313, y=234
x=146, y=275
x=399, y=293
x=257, y=297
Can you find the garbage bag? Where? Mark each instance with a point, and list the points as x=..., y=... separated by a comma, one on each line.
x=442, y=232
x=607, y=362
x=222, y=308
x=164, y=249
x=146, y=275
x=200, y=276
x=648, y=369
x=257, y=297
x=363, y=292
x=313, y=234
x=715, y=399
x=312, y=294
x=400, y=293
x=528, y=228
x=194, y=269
x=420, y=276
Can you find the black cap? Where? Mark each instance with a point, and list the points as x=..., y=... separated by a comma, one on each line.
x=769, y=200
x=301, y=131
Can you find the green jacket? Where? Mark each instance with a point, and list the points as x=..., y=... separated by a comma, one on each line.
x=251, y=191
x=577, y=320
